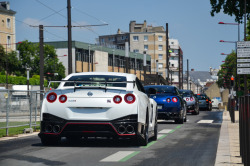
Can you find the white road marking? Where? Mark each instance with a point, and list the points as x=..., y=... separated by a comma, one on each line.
x=165, y=131
x=205, y=121
x=117, y=156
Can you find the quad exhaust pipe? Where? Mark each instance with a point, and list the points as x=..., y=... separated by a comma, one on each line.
x=123, y=130
x=130, y=129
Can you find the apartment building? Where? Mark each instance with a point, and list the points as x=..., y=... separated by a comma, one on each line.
x=152, y=39
x=7, y=26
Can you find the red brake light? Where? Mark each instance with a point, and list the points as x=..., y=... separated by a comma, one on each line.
x=117, y=99
x=174, y=99
x=168, y=100
x=187, y=99
x=63, y=98
x=129, y=98
x=191, y=99
x=51, y=97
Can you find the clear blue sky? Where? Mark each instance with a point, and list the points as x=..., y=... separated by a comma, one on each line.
x=189, y=22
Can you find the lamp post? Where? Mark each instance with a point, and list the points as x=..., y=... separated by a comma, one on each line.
x=28, y=80
x=135, y=63
x=113, y=65
x=89, y=58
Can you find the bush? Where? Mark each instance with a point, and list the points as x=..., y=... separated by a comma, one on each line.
x=19, y=80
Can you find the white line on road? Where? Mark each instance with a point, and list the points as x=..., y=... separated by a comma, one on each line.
x=117, y=156
x=205, y=121
x=164, y=131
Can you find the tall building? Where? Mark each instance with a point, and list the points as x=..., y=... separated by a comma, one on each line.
x=152, y=39
x=7, y=26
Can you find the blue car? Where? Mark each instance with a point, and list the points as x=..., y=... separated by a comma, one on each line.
x=170, y=104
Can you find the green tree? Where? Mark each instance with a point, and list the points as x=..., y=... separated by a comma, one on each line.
x=30, y=57
x=228, y=68
x=11, y=59
x=231, y=7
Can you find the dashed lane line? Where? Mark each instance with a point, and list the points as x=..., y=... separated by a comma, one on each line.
x=205, y=121
x=120, y=156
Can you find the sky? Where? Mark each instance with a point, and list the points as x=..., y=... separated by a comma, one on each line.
x=189, y=21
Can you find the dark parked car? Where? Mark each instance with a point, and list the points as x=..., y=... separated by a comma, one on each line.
x=191, y=100
x=170, y=104
x=204, y=102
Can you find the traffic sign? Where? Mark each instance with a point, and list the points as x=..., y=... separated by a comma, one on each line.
x=243, y=60
x=243, y=65
x=243, y=44
x=243, y=71
x=243, y=52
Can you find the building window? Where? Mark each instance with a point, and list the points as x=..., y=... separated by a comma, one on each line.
x=172, y=42
x=160, y=48
x=172, y=65
x=8, y=41
x=136, y=38
x=145, y=47
x=145, y=38
x=136, y=51
x=160, y=56
x=8, y=23
x=159, y=38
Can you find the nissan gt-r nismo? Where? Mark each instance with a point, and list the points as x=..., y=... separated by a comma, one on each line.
x=98, y=104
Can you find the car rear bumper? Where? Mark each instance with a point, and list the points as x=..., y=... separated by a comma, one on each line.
x=53, y=126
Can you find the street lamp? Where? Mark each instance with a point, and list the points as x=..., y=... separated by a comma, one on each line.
x=28, y=79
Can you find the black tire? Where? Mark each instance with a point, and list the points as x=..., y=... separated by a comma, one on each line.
x=144, y=141
x=185, y=119
x=46, y=141
x=154, y=138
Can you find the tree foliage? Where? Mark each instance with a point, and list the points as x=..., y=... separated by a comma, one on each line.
x=231, y=7
x=30, y=58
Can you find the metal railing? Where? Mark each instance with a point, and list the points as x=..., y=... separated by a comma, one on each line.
x=19, y=108
x=244, y=127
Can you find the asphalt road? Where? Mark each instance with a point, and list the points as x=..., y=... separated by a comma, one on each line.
x=192, y=144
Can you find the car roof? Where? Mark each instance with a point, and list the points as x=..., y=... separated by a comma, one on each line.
x=159, y=86
x=130, y=77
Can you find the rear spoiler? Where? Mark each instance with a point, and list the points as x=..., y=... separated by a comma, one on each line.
x=92, y=87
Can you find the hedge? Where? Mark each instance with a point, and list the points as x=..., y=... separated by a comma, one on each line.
x=20, y=80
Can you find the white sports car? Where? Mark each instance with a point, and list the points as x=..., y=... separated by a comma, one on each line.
x=98, y=104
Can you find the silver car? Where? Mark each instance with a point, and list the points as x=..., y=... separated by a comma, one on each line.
x=191, y=100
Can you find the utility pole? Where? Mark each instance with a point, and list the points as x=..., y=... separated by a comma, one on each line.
x=187, y=73
x=41, y=61
x=144, y=66
x=126, y=57
x=167, y=57
x=179, y=66
x=69, y=38
x=245, y=39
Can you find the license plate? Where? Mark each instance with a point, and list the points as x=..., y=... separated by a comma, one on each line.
x=159, y=106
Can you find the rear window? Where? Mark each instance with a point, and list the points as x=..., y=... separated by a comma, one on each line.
x=97, y=80
x=201, y=97
x=186, y=93
x=165, y=90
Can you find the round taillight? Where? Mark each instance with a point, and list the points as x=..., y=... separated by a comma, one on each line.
x=191, y=99
x=174, y=99
x=63, y=98
x=129, y=98
x=51, y=97
x=168, y=100
x=117, y=99
x=187, y=99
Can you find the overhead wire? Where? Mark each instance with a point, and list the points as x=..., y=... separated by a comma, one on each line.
x=66, y=17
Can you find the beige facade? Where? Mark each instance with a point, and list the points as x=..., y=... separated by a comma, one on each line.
x=7, y=27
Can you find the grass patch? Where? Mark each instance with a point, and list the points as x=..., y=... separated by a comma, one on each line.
x=16, y=130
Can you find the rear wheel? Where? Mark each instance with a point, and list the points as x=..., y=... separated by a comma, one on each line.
x=154, y=138
x=144, y=141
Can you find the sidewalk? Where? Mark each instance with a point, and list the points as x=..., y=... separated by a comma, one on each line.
x=228, y=151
